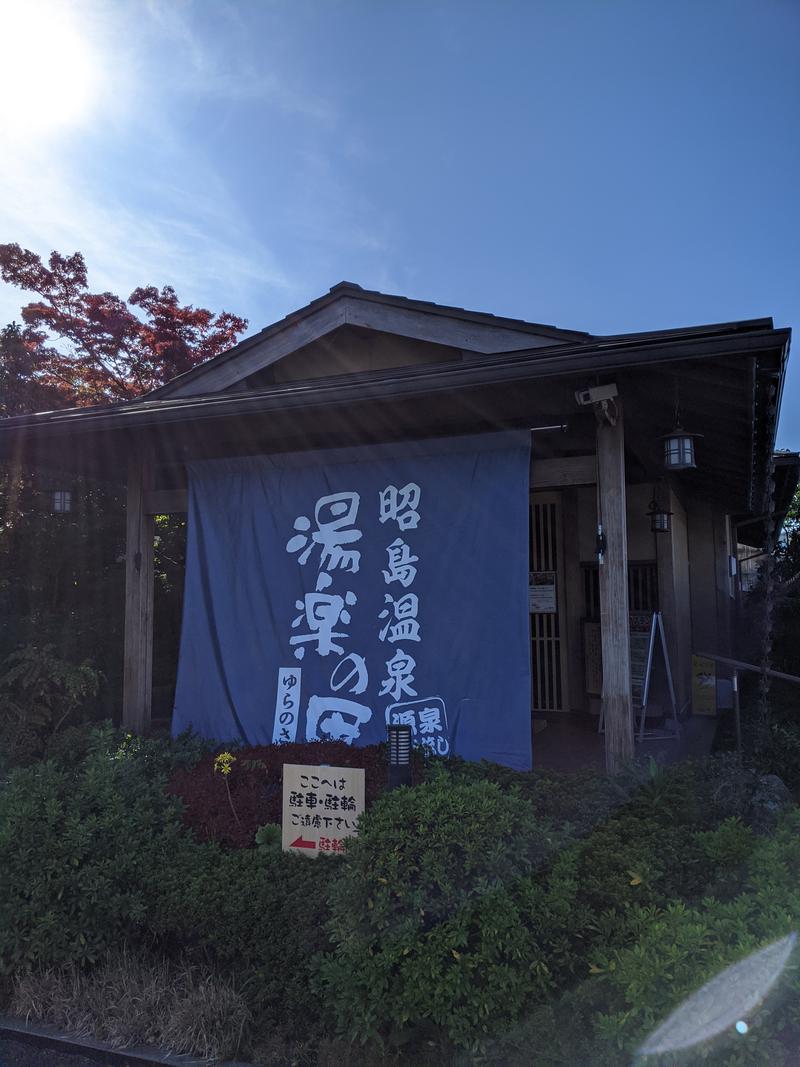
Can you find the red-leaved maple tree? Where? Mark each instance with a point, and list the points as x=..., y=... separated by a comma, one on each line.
x=92, y=348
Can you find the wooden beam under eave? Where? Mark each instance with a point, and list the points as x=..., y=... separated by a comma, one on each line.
x=137, y=691
x=545, y=474
x=614, y=621
x=166, y=501
x=562, y=471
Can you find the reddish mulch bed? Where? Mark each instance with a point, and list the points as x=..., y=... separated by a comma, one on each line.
x=256, y=786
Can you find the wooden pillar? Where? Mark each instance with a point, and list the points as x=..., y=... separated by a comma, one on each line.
x=573, y=586
x=672, y=556
x=138, y=668
x=667, y=598
x=614, y=621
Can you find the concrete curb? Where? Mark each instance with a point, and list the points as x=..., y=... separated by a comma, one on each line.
x=15, y=1029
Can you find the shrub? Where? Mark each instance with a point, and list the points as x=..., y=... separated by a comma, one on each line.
x=580, y=800
x=779, y=753
x=697, y=794
x=80, y=851
x=663, y=955
x=258, y=914
x=632, y=860
x=459, y=914
x=156, y=755
x=429, y=930
x=94, y=855
x=40, y=691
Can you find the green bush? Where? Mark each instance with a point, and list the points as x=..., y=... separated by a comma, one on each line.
x=443, y=931
x=663, y=955
x=779, y=752
x=39, y=693
x=460, y=918
x=93, y=855
x=632, y=860
x=80, y=854
x=579, y=800
x=429, y=915
x=260, y=914
x=156, y=755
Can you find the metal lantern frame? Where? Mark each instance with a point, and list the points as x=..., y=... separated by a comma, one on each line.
x=679, y=449
x=61, y=501
x=660, y=518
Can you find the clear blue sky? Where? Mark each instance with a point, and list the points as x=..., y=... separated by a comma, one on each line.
x=606, y=166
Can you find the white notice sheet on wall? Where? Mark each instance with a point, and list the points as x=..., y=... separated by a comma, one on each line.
x=542, y=593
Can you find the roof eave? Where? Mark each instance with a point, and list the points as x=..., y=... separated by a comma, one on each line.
x=528, y=365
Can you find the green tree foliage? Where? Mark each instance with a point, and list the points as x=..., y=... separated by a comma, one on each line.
x=62, y=575
x=789, y=547
x=786, y=653
x=39, y=692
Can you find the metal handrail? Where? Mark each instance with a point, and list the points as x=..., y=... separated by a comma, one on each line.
x=740, y=665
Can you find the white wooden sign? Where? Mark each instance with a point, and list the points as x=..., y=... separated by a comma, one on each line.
x=321, y=806
x=542, y=593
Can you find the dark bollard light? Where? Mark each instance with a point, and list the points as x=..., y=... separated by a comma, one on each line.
x=399, y=755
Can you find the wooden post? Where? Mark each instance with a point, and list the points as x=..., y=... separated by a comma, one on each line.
x=138, y=668
x=672, y=556
x=614, y=621
x=570, y=625
x=665, y=551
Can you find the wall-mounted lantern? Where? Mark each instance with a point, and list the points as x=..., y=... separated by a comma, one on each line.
x=62, y=500
x=659, y=517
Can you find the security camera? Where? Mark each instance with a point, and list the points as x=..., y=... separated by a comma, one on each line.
x=597, y=394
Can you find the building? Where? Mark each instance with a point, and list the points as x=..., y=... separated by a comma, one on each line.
x=360, y=370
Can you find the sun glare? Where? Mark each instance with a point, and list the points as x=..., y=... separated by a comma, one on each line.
x=49, y=76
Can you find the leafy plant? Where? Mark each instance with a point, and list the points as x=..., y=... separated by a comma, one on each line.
x=430, y=933
x=268, y=837
x=80, y=853
x=39, y=692
x=257, y=914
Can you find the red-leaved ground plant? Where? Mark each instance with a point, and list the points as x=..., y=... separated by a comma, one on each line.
x=229, y=808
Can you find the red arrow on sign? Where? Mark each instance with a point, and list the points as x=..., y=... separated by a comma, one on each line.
x=300, y=843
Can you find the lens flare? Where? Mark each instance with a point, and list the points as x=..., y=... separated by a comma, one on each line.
x=722, y=1003
x=49, y=74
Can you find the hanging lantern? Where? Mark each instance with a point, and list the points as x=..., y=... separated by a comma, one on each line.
x=659, y=517
x=679, y=449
